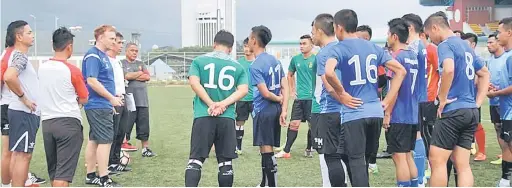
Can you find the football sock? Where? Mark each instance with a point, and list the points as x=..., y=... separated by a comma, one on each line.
x=414, y=182
x=290, y=139
x=480, y=138
x=309, y=143
x=505, y=170
x=239, y=136
x=193, y=173
x=419, y=159
x=91, y=175
x=225, y=176
x=403, y=183
x=269, y=166
x=336, y=171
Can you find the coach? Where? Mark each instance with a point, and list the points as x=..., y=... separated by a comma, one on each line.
x=62, y=90
x=137, y=75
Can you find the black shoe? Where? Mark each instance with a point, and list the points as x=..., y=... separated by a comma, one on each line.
x=109, y=183
x=119, y=168
x=113, y=171
x=93, y=180
x=36, y=180
x=146, y=152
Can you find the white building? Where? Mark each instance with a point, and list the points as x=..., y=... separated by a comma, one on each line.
x=200, y=21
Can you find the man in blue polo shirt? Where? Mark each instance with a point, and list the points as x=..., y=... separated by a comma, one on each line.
x=99, y=75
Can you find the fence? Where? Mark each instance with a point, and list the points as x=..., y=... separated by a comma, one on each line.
x=172, y=65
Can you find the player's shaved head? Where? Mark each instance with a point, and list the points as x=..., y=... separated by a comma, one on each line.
x=439, y=19
x=325, y=22
x=414, y=21
x=262, y=35
x=347, y=19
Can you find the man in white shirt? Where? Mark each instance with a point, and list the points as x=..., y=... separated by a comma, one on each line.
x=62, y=91
x=23, y=114
x=121, y=113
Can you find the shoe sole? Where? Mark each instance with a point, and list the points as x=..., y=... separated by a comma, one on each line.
x=128, y=150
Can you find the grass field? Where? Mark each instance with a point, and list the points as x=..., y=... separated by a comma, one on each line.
x=171, y=122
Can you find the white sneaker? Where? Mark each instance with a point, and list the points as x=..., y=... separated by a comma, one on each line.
x=282, y=154
x=503, y=183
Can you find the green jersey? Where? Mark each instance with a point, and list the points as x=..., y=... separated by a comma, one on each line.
x=317, y=86
x=220, y=75
x=303, y=67
x=246, y=64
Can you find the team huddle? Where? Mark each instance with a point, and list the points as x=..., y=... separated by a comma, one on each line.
x=424, y=88
x=112, y=92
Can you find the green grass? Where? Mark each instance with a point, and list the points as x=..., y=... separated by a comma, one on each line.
x=171, y=122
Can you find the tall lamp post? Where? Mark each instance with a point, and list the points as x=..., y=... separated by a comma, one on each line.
x=35, y=35
x=56, y=22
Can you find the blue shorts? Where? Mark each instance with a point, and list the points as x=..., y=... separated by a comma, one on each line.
x=266, y=127
x=23, y=128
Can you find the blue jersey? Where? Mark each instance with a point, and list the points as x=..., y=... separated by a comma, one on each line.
x=96, y=64
x=466, y=64
x=265, y=69
x=419, y=49
x=358, y=60
x=496, y=65
x=327, y=103
x=506, y=81
x=406, y=106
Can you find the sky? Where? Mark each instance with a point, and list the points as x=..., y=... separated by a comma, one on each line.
x=159, y=21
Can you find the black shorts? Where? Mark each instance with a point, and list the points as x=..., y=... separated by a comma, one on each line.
x=101, y=122
x=495, y=114
x=329, y=135
x=401, y=138
x=506, y=130
x=362, y=136
x=207, y=131
x=266, y=127
x=63, y=138
x=455, y=128
x=22, y=130
x=4, y=120
x=243, y=110
x=314, y=130
x=301, y=110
